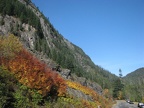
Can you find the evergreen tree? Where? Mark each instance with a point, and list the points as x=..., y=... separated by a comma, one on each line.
x=120, y=73
x=118, y=86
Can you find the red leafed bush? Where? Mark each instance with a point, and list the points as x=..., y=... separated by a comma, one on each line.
x=35, y=74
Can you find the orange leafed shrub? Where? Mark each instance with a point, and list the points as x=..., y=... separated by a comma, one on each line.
x=28, y=69
x=35, y=74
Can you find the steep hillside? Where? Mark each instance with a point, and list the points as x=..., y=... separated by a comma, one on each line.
x=134, y=82
x=84, y=81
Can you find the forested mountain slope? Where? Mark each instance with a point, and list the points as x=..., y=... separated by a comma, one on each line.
x=134, y=82
x=135, y=75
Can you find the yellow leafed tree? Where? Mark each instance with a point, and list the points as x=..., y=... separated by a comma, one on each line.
x=9, y=45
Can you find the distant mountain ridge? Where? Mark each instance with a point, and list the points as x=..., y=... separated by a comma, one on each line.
x=138, y=71
x=135, y=75
x=134, y=82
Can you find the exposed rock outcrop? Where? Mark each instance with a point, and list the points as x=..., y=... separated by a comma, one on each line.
x=15, y=26
x=79, y=94
x=83, y=81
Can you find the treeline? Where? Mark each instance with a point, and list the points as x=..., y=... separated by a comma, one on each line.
x=19, y=10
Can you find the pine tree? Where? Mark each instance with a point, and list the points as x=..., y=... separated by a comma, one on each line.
x=118, y=86
x=120, y=73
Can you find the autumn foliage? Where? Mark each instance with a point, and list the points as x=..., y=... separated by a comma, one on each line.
x=35, y=74
x=30, y=71
x=98, y=99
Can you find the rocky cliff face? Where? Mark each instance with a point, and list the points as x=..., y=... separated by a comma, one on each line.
x=15, y=26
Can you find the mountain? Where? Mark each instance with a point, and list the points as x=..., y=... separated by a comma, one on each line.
x=135, y=77
x=134, y=82
x=41, y=67
x=54, y=55
x=39, y=35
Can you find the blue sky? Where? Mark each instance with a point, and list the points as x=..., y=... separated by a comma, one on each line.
x=110, y=32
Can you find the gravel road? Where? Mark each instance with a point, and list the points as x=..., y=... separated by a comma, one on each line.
x=124, y=104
